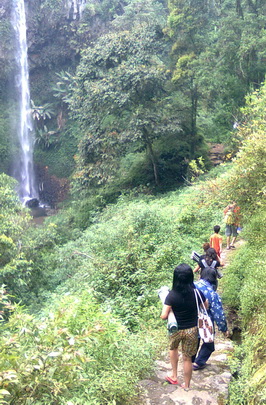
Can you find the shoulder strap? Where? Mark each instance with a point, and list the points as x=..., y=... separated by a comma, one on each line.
x=205, y=264
x=196, y=297
x=213, y=264
x=197, y=294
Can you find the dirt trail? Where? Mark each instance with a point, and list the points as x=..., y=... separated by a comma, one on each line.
x=208, y=386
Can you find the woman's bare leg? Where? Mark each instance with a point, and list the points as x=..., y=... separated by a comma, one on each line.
x=187, y=366
x=174, y=363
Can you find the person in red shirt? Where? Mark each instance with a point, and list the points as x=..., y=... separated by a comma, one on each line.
x=216, y=241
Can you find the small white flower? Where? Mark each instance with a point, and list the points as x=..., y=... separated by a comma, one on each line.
x=71, y=341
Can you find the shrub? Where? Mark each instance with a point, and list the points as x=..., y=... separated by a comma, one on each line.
x=75, y=353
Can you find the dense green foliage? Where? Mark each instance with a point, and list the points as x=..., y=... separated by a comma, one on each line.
x=5, y=142
x=122, y=259
x=224, y=38
x=142, y=97
x=119, y=261
x=122, y=98
x=244, y=288
x=15, y=269
x=122, y=102
x=76, y=354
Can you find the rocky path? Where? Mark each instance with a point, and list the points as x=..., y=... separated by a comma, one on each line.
x=208, y=386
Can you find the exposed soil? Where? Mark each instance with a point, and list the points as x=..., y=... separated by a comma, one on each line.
x=216, y=153
x=208, y=386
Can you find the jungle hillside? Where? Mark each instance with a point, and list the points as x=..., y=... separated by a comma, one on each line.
x=127, y=99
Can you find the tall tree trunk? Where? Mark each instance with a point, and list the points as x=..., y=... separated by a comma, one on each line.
x=239, y=9
x=194, y=108
x=152, y=156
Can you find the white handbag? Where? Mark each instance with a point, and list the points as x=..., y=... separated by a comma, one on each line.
x=205, y=325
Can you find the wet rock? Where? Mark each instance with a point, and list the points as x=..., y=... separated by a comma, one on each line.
x=37, y=212
x=32, y=203
x=52, y=189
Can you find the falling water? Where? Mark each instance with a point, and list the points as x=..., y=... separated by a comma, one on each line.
x=24, y=164
x=76, y=8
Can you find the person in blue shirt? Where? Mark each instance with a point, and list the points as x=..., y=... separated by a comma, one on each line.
x=206, y=285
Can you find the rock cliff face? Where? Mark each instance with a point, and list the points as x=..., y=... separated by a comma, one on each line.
x=6, y=43
x=49, y=36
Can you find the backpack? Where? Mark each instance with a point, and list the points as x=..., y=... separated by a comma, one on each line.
x=212, y=265
x=229, y=217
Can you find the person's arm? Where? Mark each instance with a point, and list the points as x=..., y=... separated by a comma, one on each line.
x=226, y=210
x=220, y=260
x=218, y=313
x=196, y=268
x=206, y=304
x=165, y=311
x=221, y=243
x=218, y=263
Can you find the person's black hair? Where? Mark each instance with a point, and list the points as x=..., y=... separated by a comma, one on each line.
x=216, y=228
x=210, y=256
x=183, y=279
x=209, y=274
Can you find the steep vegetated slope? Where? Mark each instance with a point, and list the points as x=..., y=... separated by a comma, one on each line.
x=92, y=327
x=88, y=278
x=245, y=285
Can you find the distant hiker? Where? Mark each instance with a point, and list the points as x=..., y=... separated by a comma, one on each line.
x=205, y=285
x=232, y=219
x=181, y=299
x=210, y=259
x=216, y=241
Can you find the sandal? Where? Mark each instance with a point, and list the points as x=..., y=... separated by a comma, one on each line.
x=171, y=381
x=196, y=367
x=184, y=388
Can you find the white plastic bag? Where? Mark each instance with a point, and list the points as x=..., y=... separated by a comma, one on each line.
x=171, y=321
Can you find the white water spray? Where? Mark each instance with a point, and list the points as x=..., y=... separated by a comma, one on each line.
x=76, y=8
x=24, y=163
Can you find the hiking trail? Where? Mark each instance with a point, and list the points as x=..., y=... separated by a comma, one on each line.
x=209, y=386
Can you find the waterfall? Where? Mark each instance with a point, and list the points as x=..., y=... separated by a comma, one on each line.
x=76, y=8
x=24, y=163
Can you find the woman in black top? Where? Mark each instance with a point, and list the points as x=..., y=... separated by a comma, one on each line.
x=181, y=299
